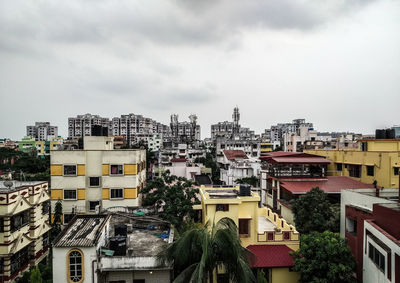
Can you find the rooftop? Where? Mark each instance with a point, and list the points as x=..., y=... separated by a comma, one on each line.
x=222, y=193
x=82, y=231
x=16, y=185
x=265, y=225
x=271, y=256
x=233, y=154
x=331, y=184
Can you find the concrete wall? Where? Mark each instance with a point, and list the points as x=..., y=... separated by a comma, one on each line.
x=371, y=273
x=283, y=275
x=60, y=264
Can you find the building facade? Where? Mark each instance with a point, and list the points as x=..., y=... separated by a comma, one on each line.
x=370, y=222
x=98, y=175
x=42, y=131
x=24, y=227
x=81, y=125
x=263, y=232
x=373, y=160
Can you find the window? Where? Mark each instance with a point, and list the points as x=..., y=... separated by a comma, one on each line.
x=139, y=281
x=1, y=265
x=69, y=170
x=270, y=236
x=377, y=257
x=117, y=194
x=370, y=170
x=396, y=171
x=45, y=207
x=94, y=181
x=355, y=171
x=75, y=267
x=19, y=220
x=244, y=227
x=222, y=207
x=19, y=259
x=93, y=204
x=69, y=194
x=286, y=235
x=46, y=240
x=339, y=166
x=67, y=218
x=116, y=169
x=1, y=225
x=351, y=226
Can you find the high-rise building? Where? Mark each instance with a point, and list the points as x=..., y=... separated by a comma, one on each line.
x=42, y=131
x=81, y=125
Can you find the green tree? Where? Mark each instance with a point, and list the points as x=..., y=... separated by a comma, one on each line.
x=173, y=197
x=324, y=258
x=312, y=212
x=261, y=277
x=252, y=181
x=209, y=162
x=35, y=276
x=56, y=225
x=198, y=252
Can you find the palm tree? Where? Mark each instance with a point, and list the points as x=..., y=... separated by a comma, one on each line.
x=198, y=252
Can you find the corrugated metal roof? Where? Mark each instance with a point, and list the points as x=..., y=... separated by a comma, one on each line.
x=83, y=231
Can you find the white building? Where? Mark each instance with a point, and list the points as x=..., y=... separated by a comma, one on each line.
x=42, y=131
x=98, y=175
x=112, y=248
x=236, y=165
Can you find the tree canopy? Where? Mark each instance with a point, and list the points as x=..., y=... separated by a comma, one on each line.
x=209, y=162
x=198, y=252
x=252, y=181
x=173, y=197
x=324, y=258
x=313, y=212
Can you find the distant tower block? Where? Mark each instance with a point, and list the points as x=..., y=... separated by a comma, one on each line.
x=236, y=118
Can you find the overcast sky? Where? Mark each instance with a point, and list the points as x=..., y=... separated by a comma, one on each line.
x=335, y=63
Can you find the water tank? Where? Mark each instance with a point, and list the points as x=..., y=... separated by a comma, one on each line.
x=118, y=245
x=120, y=230
x=245, y=190
x=380, y=134
x=390, y=134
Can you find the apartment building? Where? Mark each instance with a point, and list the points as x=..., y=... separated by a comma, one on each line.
x=286, y=176
x=96, y=176
x=269, y=237
x=373, y=160
x=278, y=131
x=370, y=221
x=136, y=128
x=24, y=227
x=81, y=125
x=42, y=131
x=43, y=148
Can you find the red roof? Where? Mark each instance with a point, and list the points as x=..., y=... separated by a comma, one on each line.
x=333, y=184
x=233, y=154
x=178, y=160
x=271, y=255
x=299, y=160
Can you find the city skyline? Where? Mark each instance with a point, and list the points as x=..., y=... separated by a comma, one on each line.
x=334, y=64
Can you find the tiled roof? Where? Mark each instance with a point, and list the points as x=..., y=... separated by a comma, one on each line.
x=299, y=160
x=233, y=154
x=82, y=231
x=333, y=184
x=271, y=256
x=178, y=160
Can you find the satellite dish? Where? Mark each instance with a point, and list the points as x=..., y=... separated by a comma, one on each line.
x=8, y=184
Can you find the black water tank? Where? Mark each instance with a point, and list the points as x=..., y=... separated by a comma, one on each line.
x=118, y=245
x=390, y=134
x=245, y=190
x=120, y=230
x=380, y=134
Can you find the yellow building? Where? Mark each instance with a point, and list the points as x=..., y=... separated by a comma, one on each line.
x=24, y=227
x=265, y=147
x=269, y=237
x=97, y=176
x=373, y=160
x=44, y=147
